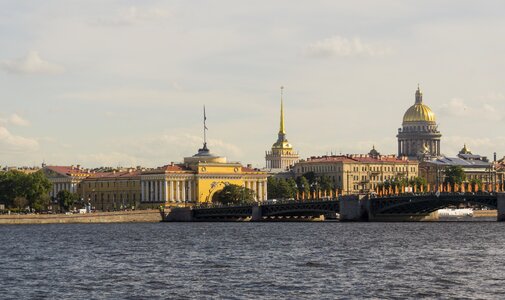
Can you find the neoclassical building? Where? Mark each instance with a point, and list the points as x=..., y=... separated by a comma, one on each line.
x=358, y=173
x=282, y=155
x=198, y=179
x=194, y=181
x=419, y=136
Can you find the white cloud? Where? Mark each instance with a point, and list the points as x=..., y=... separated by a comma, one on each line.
x=483, y=111
x=341, y=46
x=14, y=143
x=131, y=16
x=456, y=107
x=17, y=120
x=32, y=63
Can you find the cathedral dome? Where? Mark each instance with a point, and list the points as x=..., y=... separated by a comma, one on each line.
x=419, y=112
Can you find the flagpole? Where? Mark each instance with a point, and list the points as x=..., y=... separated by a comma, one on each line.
x=204, y=128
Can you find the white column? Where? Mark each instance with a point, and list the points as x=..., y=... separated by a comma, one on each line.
x=142, y=195
x=172, y=191
x=265, y=195
x=177, y=191
x=258, y=190
x=156, y=190
x=149, y=191
x=190, y=190
x=165, y=195
x=184, y=191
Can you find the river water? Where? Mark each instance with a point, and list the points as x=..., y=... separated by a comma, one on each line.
x=328, y=260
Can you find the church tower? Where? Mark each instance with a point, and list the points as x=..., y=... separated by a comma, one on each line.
x=282, y=156
x=419, y=136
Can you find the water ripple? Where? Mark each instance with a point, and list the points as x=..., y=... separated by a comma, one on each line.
x=253, y=260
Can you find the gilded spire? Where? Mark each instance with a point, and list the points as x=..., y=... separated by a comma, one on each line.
x=282, y=130
x=419, y=95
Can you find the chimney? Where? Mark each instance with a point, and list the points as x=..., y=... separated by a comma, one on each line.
x=172, y=163
x=250, y=166
x=494, y=156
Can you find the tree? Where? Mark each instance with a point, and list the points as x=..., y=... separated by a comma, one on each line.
x=20, y=202
x=303, y=185
x=66, y=199
x=272, y=188
x=234, y=194
x=292, y=187
x=326, y=184
x=36, y=190
x=311, y=177
x=285, y=190
x=454, y=175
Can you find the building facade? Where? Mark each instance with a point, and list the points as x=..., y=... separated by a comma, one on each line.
x=419, y=136
x=194, y=181
x=476, y=168
x=361, y=173
x=281, y=156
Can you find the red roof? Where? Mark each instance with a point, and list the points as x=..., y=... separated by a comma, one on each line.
x=68, y=170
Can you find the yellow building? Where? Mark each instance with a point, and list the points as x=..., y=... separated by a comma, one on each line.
x=282, y=156
x=358, y=173
x=198, y=179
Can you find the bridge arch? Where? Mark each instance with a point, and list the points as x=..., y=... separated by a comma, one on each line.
x=429, y=203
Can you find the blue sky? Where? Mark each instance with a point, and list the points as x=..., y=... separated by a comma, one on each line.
x=123, y=83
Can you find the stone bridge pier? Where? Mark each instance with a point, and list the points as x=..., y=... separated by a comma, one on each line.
x=500, y=207
x=354, y=208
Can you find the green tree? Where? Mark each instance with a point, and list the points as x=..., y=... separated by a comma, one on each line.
x=285, y=189
x=36, y=190
x=292, y=186
x=311, y=177
x=20, y=203
x=234, y=194
x=454, y=175
x=11, y=186
x=272, y=187
x=303, y=185
x=326, y=184
x=66, y=199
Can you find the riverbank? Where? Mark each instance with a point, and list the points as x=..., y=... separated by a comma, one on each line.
x=135, y=216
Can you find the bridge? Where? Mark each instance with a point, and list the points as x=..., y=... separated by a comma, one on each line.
x=395, y=207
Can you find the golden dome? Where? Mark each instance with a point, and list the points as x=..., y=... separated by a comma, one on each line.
x=419, y=112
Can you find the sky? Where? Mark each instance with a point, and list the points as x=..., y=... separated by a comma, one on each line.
x=123, y=83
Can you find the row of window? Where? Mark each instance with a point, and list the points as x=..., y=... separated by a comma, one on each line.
x=332, y=168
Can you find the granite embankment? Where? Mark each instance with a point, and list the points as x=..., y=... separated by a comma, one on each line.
x=97, y=217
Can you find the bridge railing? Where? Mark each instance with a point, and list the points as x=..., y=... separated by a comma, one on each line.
x=267, y=202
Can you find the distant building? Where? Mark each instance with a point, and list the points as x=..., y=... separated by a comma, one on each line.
x=358, y=173
x=26, y=170
x=65, y=177
x=282, y=156
x=419, y=137
x=476, y=167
